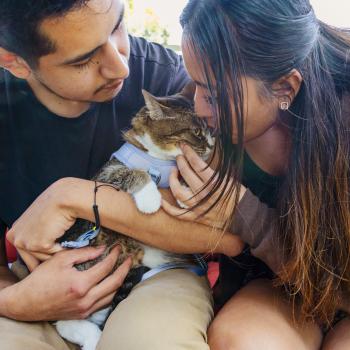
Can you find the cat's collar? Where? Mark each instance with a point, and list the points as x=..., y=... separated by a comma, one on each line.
x=134, y=158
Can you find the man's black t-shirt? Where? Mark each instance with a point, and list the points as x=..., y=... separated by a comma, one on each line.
x=38, y=147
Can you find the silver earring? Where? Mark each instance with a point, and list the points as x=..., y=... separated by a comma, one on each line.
x=284, y=106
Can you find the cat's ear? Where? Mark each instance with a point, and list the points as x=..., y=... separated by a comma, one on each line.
x=157, y=110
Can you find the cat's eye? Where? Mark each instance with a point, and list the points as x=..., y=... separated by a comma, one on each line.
x=197, y=131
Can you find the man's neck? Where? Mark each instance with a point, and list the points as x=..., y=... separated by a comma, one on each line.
x=56, y=104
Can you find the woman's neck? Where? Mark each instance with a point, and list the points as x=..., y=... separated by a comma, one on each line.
x=271, y=150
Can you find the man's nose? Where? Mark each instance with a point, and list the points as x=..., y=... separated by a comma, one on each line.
x=114, y=64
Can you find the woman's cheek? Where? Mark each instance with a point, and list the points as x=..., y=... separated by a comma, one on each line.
x=202, y=109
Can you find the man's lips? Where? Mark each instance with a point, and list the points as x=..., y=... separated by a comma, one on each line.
x=113, y=86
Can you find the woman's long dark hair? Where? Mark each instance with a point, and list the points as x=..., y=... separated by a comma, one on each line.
x=266, y=40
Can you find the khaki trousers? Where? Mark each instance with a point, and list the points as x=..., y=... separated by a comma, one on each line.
x=170, y=311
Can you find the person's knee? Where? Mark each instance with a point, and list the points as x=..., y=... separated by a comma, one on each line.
x=338, y=338
x=256, y=319
x=170, y=311
x=247, y=336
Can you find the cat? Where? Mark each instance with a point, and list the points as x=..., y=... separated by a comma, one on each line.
x=156, y=133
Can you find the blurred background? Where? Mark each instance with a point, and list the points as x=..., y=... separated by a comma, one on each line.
x=158, y=20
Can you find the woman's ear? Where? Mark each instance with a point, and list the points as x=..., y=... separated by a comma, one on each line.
x=288, y=86
x=16, y=65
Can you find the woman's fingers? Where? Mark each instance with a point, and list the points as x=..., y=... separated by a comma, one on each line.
x=188, y=174
x=183, y=214
x=180, y=192
x=199, y=166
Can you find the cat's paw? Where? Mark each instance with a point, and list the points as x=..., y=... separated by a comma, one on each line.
x=148, y=199
x=81, y=332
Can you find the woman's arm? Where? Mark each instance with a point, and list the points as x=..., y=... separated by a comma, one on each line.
x=255, y=223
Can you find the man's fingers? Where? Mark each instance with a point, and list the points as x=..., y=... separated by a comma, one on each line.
x=99, y=271
x=101, y=304
x=77, y=256
x=197, y=163
x=31, y=261
x=55, y=249
x=41, y=256
x=112, y=282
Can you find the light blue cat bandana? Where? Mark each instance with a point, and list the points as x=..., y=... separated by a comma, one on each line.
x=134, y=158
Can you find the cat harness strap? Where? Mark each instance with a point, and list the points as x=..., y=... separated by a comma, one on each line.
x=134, y=158
x=200, y=269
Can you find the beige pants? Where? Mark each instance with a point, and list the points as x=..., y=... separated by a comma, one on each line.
x=170, y=311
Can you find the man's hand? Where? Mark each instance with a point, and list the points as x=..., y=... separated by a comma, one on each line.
x=35, y=233
x=55, y=290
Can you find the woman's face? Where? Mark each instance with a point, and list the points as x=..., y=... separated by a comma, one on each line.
x=260, y=113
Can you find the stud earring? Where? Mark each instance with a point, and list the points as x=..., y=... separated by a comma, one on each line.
x=284, y=106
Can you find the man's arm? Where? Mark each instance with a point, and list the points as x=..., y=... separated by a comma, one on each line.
x=55, y=210
x=160, y=230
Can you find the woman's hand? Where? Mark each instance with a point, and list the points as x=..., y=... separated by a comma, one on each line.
x=197, y=174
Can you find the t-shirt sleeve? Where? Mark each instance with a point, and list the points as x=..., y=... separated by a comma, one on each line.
x=255, y=223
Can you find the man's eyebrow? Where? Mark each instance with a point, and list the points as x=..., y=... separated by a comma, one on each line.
x=92, y=52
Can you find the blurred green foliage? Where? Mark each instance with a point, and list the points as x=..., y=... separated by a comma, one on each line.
x=151, y=29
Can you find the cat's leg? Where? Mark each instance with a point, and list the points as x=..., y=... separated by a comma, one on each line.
x=136, y=182
x=81, y=332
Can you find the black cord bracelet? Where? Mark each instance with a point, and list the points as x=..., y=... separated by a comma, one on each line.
x=95, y=206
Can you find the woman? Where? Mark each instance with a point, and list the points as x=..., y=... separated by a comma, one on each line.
x=274, y=81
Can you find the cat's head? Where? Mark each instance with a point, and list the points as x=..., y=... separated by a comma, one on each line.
x=164, y=123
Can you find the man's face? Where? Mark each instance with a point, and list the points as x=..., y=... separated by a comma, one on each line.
x=90, y=62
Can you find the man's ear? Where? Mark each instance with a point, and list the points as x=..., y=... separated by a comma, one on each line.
x=16, y=65
x=288, y=86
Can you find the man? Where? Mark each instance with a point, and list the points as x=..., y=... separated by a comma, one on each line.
x=72, y=80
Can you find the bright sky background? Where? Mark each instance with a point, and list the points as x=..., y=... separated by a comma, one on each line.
x=335, y=12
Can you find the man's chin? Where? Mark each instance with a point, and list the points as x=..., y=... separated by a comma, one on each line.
x=104, y=99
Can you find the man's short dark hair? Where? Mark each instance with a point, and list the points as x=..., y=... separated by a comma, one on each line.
x=20, y=21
